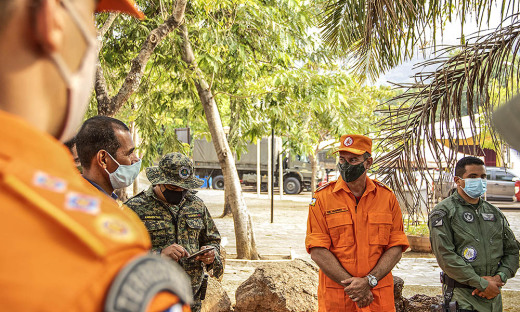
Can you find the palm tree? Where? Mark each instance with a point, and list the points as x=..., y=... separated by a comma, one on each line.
x=470, y=79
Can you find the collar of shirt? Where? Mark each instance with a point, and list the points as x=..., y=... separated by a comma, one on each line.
x=113, y=195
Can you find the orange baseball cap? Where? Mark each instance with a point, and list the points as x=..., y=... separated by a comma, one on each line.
x=125, y=6
x=355, y=143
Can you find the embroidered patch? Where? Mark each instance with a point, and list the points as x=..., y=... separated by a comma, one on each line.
x=153, y=218
x=488, y=217
x=329, y=212
x=115, y=228
x=184, y=172
x=469, y=254
x=48, y=182
x=348, y=141
x=194, y=215
x=142, y=279
x=468, y=217
x=82, y=202
x=437, y=222
x=313, y=202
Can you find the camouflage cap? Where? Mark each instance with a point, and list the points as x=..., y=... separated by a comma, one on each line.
x=175, y=169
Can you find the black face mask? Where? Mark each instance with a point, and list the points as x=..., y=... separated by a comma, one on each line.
x=174, y=197
x=350, y=172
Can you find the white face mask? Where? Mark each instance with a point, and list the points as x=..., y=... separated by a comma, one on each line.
x=80, y=83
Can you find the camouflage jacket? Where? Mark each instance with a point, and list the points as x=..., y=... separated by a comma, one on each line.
x=188, y=224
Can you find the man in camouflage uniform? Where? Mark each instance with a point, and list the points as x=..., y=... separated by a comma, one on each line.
x=472, y=242
x=178, y=221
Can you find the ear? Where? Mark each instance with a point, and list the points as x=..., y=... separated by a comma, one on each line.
x=49, y=25
x=369, y=162
x=101, y=159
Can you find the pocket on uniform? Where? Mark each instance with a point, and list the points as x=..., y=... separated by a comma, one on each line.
x=379, y=227
x=158, y=230
x=195, y=224
x=341, y=229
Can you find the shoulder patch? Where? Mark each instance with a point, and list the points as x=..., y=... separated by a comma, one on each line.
x=313, y=202
x=382, y=185
x=436, y=217
x=142, y=279
x=324, y=186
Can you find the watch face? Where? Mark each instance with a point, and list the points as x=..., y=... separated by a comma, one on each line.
x=372, y=281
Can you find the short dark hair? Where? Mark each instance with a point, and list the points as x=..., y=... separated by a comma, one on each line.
x=460, y=168
x=70, y=143
x=98, y=133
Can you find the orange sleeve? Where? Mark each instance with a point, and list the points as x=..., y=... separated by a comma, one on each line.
x=397, y=236
x=163, y=301
x=317, y=230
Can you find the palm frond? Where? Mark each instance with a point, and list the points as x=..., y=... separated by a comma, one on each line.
x=376, y=35
x=467, y=81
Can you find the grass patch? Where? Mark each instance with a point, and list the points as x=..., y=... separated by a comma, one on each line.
x=419, y=229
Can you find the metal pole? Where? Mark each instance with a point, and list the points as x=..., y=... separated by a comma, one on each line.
x=280, y=168
x=272, y=175
x=269, y=165
x=258, y=173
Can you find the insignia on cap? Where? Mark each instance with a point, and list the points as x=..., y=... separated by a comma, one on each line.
x=114, y=227
x=469, y=254
x=81, y=202
x=348, y=141
x=184, y=172
x=313, y=202
x=468, y=217
x=48, y=182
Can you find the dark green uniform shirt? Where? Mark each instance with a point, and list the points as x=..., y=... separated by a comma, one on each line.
x=471, y=241
x=188, y=224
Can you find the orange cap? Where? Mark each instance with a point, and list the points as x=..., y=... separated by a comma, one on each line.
x=355, y=143
x=125, y=6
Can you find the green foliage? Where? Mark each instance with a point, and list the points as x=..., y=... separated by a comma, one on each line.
x=264, y=63
x=416, y=228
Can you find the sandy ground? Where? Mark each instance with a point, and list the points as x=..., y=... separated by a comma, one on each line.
x=283, y=239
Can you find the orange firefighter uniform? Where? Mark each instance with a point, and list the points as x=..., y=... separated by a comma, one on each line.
x=63, y=243
x=357, y=234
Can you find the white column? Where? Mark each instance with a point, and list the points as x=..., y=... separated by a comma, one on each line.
x=269, y=166
x=258, y=173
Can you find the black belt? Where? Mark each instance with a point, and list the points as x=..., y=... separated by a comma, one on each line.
x=446, y=280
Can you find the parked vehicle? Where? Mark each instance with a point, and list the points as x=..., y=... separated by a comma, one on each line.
x=297, y=171
x=502, y=185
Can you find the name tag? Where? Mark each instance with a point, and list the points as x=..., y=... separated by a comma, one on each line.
x=488, y=217
x=329, y=212
x=153, y=218
x=194, y=215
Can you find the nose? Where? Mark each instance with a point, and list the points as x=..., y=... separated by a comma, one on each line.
x=134, y=158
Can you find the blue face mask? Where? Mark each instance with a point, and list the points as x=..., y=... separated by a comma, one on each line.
x=124, y=174
x=475, y=188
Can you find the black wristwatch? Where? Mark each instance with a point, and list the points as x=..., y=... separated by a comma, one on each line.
x=372, y=280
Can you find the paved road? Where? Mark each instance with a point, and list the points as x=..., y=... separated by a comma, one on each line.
x=286, y=235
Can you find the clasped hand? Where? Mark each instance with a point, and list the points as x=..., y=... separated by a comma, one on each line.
x=358, y=290
x=493, y=288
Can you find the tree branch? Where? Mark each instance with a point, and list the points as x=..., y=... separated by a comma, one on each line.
x=134, y=76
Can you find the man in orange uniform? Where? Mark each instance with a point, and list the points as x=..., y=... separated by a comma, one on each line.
x=65, y=246
x=355, y=234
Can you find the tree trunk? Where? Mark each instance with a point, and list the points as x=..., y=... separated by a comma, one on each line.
x=232, y=140
x=246, y=248
x=314, y=165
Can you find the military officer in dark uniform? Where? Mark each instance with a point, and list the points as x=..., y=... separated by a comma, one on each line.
x=177, y=220
x=472, y=242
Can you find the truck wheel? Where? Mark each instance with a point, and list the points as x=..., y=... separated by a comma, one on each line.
x=291, y=185
x=218, y=182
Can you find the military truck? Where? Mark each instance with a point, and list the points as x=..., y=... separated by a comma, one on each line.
x=297, y=171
